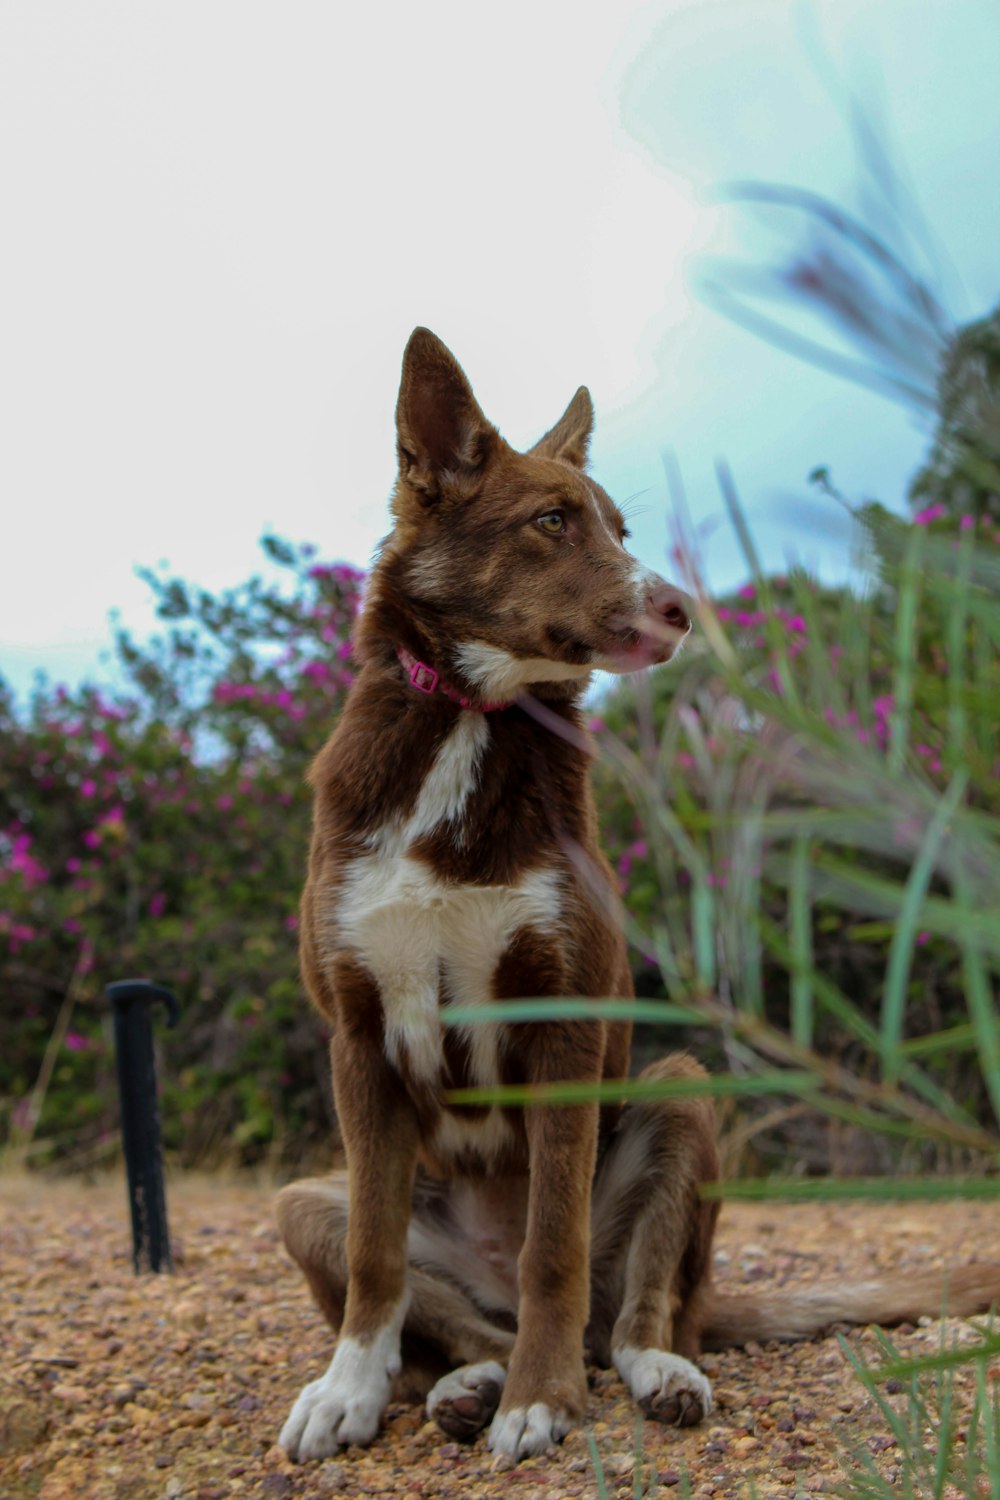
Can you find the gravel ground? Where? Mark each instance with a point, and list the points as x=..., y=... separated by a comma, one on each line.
x=117, y=1387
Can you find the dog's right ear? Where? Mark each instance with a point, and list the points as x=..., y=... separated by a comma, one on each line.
x=442, y=438
x=569, y=439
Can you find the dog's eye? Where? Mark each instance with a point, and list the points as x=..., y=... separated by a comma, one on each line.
x=553, y=522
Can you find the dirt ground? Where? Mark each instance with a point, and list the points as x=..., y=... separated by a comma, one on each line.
x=117, y=1387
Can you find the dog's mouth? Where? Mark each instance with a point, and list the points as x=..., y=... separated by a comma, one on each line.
x=631, y=647
x=569, y=647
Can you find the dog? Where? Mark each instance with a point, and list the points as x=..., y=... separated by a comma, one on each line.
x=477, y=1256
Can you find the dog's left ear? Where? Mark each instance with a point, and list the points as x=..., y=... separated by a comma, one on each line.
x=442, y=438
x=569, y=439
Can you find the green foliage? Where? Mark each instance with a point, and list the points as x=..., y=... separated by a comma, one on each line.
x=162, y=832
x=809, y=830
x=962, y=473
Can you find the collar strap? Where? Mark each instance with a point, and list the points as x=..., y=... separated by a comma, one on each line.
x=426, y=680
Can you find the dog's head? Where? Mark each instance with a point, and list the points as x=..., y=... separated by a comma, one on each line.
x=510, y=567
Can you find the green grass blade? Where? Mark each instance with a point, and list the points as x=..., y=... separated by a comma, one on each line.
x=792, y=1081
x=980, y=1000
x=652, y=1012
x=903, y=940
x=835, y=1189
x=595, y=1459
x=800, y=933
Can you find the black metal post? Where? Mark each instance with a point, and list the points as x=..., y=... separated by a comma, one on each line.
x=140, y=1115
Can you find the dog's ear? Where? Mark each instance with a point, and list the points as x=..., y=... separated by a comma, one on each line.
x=442, y=438
x=569, y=439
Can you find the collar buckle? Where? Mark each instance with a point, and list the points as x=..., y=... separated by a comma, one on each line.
x=424, y=678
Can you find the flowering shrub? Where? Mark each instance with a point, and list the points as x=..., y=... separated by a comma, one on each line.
x=162, y=831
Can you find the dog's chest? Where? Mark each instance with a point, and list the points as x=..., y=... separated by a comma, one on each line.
x=429, y=943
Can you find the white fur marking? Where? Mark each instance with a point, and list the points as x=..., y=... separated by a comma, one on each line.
x=651, y=1372
x=499, y=674
x=406, y=926
x=345, y=1405
x=447, y=786
x=521, y=1432
x=463, y=1381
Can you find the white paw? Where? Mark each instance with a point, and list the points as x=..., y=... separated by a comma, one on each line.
x=521, y=1432
x=344, y=1405
x=463, y=1402
x=667, y=1387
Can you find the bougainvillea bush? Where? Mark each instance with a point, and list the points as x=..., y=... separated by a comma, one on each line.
x=161, y=831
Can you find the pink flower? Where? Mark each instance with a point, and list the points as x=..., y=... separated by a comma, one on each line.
x=966, y=523
x=76, y=1042
x=88, y=787
x=747, y=591
x=157, y=904
x=931, y=513
x=24, y=863
x=292, y=923
x=224, y=803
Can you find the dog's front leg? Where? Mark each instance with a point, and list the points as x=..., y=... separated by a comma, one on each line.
x=380, y=1137
x=546, y=1387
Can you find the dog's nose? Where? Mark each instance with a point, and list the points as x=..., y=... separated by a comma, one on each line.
x=673, y=607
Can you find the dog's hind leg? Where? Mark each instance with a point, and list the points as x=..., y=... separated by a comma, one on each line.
x=652, y=1247
x=451, y=1347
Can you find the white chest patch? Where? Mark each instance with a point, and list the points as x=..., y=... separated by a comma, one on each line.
x=418, y=935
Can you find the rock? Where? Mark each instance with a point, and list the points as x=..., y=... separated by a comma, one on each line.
x=22, y=1425
x=190, y=1313
x=70, y=1395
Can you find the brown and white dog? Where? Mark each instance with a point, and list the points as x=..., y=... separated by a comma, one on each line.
x=474, y=1255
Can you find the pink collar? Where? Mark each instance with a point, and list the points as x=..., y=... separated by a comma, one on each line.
x=426, y=680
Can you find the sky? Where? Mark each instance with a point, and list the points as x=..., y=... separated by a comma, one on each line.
x=222, y=219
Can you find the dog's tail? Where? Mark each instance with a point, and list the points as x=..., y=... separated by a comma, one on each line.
x=900, y=1298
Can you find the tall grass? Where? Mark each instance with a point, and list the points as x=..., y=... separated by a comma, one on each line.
x=945, y=1420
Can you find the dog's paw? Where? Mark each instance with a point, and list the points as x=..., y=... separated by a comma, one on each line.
x=523, y=1431
x=666, y=1387
x=344, y=1406
x=463, y=1402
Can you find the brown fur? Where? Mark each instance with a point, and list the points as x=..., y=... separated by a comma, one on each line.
x=525, y=1238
